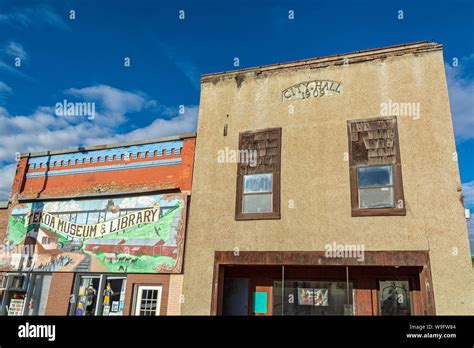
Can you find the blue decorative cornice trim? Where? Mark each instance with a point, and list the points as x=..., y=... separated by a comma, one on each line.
x=98, y=156
x=122, y=166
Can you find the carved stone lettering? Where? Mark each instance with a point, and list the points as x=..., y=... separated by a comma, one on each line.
x=312, y=89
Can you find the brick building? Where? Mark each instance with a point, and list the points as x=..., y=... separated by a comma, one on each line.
x=4, y=214
x=98, y=230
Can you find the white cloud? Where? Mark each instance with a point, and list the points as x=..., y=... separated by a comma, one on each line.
x=14, y=49
x=43, y=130
x=33, y=17
x=114, y=99
x=12, y=70
x=6, y=180
x=4, y=88
x=180, y=124
x=114, y=103
x=461, y=95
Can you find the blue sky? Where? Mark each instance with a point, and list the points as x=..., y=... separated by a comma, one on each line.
x=83, y=59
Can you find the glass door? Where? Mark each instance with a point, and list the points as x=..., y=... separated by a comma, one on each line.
x=87, y=296
x=113, y=296
x=394, y=297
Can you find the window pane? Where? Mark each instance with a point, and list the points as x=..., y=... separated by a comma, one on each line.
x=376, y=197
x=374, y=176
x=258, y=203
x=394, y=297
x=304, y=297
x=257, y=183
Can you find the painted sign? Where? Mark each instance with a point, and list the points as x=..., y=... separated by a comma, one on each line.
x=16, y=307
x=49, y=221
x=312, y=89
x=141, y=234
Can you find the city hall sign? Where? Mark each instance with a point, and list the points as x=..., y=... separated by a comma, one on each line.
x=312, y=89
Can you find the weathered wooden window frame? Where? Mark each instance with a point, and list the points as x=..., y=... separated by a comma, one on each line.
x=398, y=195
x=275, y=214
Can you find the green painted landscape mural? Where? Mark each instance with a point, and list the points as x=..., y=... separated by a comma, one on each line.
x=141, y=234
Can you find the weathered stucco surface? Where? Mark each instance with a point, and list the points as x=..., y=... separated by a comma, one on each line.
x=315, y=172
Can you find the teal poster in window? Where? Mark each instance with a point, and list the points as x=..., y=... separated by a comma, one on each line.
x=260, y=302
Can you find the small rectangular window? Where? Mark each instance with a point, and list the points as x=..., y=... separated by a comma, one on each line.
x=258, y=181
x=375, y=167
x=257, y=193
x=375, y=187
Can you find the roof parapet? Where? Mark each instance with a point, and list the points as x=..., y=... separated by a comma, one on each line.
x=109, y=146
x=338, y=59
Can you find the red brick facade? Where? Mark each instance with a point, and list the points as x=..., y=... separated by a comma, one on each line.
x=132, y=180
x=59, y=293
x=37, y=179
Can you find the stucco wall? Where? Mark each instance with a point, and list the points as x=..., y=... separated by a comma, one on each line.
x=315, y=172
x=4, y=216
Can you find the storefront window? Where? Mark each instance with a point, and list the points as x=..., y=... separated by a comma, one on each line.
x=87, y=296
x=113, y=296
x=37, y=298
x=99, y=295
x=394, y=297
x=25, y=294
x=312, y=298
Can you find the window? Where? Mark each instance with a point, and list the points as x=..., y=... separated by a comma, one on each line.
x=24, y=294
x=257, y=193
x=375, y=187
x=258, y=175
x=148, y=300
x=98, y=295
x=86, y=296
x=305, y=297
x=375, y=167
x=394, y=297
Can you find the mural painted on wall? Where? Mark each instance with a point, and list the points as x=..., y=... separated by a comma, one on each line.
x=143, y=234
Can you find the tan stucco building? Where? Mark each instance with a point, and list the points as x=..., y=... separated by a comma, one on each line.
x=352, y=201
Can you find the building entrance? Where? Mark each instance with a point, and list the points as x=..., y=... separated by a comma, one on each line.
x=259, y=290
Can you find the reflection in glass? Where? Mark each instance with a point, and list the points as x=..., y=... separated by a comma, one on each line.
x=257, y=183
x=375, y=187
x=374, y=176
x=394, y=297
x=257, y=193
x=312, y=298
